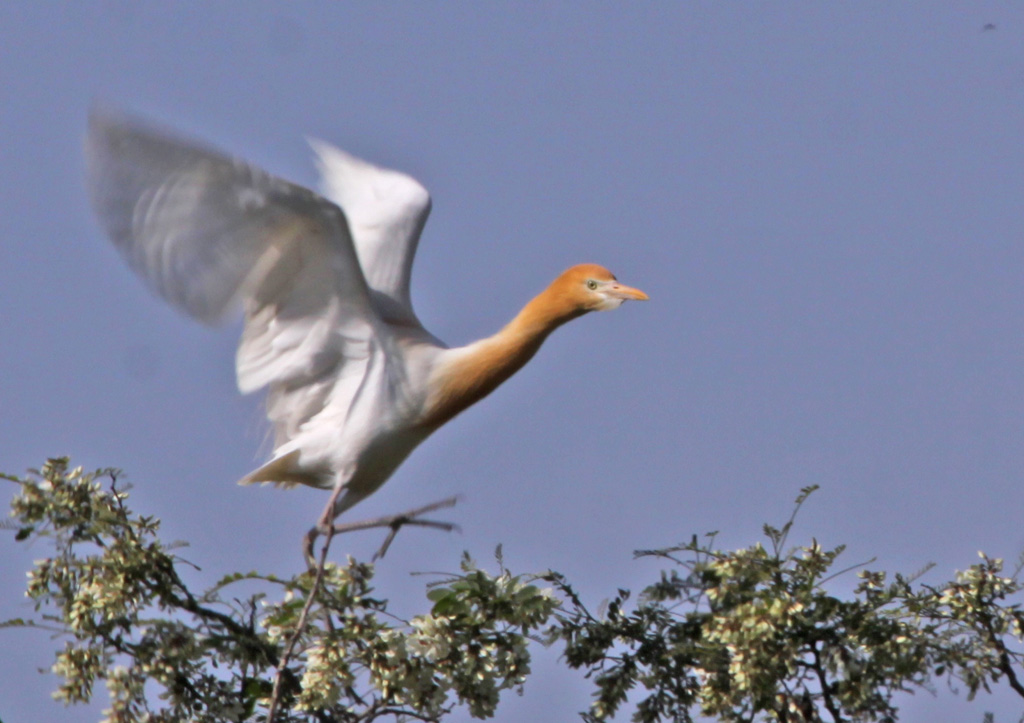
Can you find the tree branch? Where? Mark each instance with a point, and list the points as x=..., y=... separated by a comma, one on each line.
x=826, y=695
x=300, y=627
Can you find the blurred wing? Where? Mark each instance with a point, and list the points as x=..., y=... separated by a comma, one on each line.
x=386, y=212
x=209, y=233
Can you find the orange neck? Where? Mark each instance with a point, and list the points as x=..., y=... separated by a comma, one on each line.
x=476, y=370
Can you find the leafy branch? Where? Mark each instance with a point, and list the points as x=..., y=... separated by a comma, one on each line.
x=753, y=634
x=111, y=587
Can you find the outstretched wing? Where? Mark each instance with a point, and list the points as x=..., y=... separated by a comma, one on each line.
x=209, y=233
x=386, y=212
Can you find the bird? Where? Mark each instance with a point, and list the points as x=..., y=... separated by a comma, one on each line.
x=354, y=382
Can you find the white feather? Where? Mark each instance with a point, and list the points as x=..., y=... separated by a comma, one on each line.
x=329, y=326
x=354, y=381
x=386, y=212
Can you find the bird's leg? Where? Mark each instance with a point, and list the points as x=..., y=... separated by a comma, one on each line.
x=326, y=524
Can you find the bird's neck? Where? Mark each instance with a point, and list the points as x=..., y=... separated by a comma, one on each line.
x=470, y=373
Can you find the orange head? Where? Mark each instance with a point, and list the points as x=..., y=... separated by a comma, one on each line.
x=589, y=287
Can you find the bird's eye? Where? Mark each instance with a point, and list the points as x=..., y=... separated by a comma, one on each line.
x=591, y=284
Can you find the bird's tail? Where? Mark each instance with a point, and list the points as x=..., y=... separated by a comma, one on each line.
x=283, y=471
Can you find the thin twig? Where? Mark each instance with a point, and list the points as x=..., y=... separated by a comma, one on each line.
x=395, y=522
x=300, y=627
x=405, y=518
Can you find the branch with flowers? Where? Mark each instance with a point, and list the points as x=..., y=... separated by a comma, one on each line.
x=753, y=634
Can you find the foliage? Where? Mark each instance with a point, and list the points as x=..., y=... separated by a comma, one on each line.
x=745, y=635
x=754, y=634
x=112, y=588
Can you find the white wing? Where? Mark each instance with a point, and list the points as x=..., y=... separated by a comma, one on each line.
x=386, y=212
x=208, y=232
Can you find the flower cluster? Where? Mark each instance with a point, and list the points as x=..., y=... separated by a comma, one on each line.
x=113, y=589
x=752, y=634
x=471, y=646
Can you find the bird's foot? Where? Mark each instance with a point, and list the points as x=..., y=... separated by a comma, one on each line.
x=395, y=522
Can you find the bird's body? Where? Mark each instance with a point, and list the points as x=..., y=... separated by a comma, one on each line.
x=354, y=381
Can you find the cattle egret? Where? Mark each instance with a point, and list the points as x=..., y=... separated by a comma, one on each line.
x=354, y=381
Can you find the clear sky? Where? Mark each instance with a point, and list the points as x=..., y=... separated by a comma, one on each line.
x=824, y=202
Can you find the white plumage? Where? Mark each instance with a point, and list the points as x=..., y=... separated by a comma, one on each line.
x=354, y=381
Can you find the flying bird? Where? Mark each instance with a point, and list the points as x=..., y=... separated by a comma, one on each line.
x=354, y=382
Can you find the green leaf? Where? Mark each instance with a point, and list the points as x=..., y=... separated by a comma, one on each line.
x=439, y=593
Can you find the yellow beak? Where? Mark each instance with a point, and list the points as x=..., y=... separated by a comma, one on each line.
x=619, y=291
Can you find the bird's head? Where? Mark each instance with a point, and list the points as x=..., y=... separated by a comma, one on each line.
x=590, y=287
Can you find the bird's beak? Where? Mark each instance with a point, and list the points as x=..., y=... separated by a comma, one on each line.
x=619, y=291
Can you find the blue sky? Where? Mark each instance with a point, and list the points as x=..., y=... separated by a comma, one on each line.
x=822, y=200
